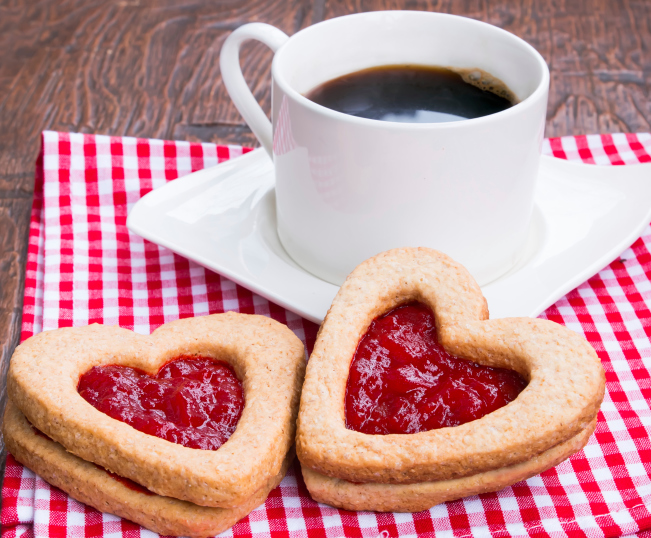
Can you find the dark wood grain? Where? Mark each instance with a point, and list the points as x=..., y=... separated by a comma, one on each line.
x=150, y=68
x=14, y=221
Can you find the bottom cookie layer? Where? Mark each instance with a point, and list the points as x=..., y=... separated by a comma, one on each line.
x=93, y=486
x=376, y=497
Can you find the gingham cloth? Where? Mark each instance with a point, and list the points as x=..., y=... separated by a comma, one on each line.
x=85, y=267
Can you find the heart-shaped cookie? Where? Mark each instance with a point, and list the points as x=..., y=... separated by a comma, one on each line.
x=92, y=485
x=564, y=391
x=265, y=355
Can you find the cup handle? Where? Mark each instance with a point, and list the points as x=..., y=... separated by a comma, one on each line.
x=229, y=62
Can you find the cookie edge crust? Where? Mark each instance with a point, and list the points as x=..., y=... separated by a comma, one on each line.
x=541, y=417
x=267, y=357
x=423, y=496
x=91, y=485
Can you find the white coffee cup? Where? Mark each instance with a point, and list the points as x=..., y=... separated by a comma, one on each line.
x=348, y=188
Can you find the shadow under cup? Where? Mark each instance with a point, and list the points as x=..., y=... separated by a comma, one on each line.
x=348, y=188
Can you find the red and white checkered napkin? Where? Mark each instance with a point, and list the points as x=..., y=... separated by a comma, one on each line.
x=85, y=267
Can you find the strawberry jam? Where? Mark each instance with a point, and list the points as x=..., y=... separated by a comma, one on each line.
x=192, y=401
x=401, y=379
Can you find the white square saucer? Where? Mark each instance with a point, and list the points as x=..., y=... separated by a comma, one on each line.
x=224, y=218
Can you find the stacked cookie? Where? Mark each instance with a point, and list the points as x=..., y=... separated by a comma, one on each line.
x=112, y=466
x=550, y=419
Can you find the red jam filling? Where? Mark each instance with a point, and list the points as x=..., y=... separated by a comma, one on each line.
x=41, y=434
x=133, y=486
x=401, y=379
x=192, y=401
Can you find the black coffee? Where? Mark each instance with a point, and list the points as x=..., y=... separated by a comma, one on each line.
x=415, y=94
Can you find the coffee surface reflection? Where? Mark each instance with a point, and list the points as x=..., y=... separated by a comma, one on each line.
x=415, y=94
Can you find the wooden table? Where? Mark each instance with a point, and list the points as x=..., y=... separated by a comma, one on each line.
x=150, y=69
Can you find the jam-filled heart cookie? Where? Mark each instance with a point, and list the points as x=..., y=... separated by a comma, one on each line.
x=413, y=396
x=203, y=410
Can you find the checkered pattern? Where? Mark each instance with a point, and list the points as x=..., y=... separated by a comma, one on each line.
x=85, y=267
